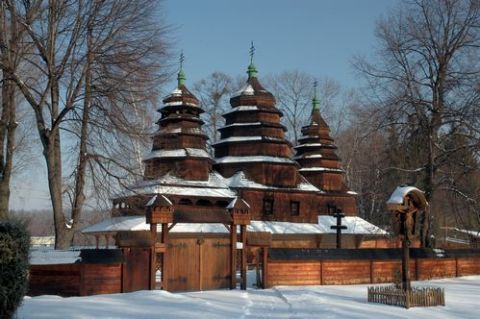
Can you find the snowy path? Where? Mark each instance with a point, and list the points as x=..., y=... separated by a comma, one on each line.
x=462, y=298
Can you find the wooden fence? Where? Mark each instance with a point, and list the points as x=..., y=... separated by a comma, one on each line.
x=335, y=268
x=417, y=297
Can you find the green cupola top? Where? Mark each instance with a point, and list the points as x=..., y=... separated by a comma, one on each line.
x=315, y=100
x=252, y=70
x=181, y=74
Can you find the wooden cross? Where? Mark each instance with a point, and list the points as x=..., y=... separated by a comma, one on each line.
x=339, y=227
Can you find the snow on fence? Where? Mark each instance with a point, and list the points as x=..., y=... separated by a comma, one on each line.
x=416, y=297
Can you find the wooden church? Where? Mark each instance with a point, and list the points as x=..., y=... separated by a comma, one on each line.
x=195, y=221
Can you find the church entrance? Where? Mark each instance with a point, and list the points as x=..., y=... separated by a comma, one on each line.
x=197, y=263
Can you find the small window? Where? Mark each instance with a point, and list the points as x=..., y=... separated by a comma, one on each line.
x=294, y=208
x=268, y=206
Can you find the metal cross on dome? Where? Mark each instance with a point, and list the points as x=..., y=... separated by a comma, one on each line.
x=182, y=58
x=252, y=52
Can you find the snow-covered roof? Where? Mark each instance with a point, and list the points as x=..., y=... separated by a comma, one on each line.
x=45, y=256
x=310, y=145
x=182, y=152
x=401, y=191
x=176, y=92
x=158, y=199
x=234, y=202
x=246, y=159
x=215, y=186
x=242, y=108
x=185, y=130
x=308, y=156
x=245, y=90
x=355, y=226
x=178, y=103
x=248, y=138
x=239, y=180
x=243, y=124
x=314, y=145
x=239, y=139
x=321, y=169
x=114, y=224
x=474, y=233
x=42, y=240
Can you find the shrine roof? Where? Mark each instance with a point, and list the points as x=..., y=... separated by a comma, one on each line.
x=400, y=192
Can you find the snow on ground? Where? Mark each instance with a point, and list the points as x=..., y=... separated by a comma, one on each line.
x=461, y=297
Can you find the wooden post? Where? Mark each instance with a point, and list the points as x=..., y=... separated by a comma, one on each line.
x=371, y=271
x=405, y=260
x=97, y=241
x=106, y=241
x=153, y=256
x=165, y=231
x=265, y=267
x=243, y=272
x=456, y=266
x=233, y=256
x=200, y=242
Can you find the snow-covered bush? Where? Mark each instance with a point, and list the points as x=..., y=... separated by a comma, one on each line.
x=14, y=246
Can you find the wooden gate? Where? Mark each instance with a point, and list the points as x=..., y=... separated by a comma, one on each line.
x=194, y=264
x=136, y=269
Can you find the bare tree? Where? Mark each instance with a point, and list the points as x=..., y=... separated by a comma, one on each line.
x=214, y=93
x=294, y=91
x=94, y=59
x=125, y=55
x=425, y=82
x=11, y=34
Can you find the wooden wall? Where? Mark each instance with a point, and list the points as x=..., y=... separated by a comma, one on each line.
x=98, y=279
x=74, y=279
x=62, y=280
x=343, y=271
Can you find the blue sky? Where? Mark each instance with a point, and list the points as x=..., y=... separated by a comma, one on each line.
x=319, y=37
x=315, y=36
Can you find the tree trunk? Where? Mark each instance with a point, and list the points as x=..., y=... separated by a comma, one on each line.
x=8, y=94
x=63, y=231
x=79, y=196
x=8, y=123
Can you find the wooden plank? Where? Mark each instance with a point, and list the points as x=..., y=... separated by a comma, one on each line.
x=182, y=264
x=436, y=268
x=216, y=259
x=62, y=280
